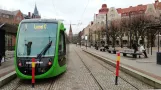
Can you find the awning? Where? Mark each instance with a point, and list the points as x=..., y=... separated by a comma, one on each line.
x=8, y=28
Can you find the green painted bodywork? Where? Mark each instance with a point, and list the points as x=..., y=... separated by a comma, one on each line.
x=54, y=70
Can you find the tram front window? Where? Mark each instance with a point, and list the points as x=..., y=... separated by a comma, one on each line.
x=39, y=34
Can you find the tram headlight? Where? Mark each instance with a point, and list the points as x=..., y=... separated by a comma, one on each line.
x=50, y=63
x=19, y=64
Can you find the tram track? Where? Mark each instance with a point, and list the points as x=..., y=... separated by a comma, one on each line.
x=123, y=78
x=18, y=84
x=84, y=72
x=94, y=59
x=41, y=85
x=98, y=84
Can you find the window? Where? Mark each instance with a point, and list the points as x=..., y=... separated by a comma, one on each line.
x=126, y=34
x=150, y=10
x=62, y=45
x=39, y=34
x=18, y=18
x=102, y=22
x=7, y=16
x=4, y=15
x=102, y=17
x=112, y=15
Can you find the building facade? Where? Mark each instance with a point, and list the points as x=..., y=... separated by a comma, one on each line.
x=117, y=14
x=13, y=18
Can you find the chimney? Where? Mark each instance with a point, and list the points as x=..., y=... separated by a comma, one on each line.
x=130, y=6
x=156, y=1
x=29, y=14
x=140, y=5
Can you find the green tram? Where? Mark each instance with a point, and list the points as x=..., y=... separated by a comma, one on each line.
x=44, y=40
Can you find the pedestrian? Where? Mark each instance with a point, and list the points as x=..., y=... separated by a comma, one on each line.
x=142, y=49
x=135, y=47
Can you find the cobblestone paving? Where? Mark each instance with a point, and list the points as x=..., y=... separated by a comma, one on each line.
x=106, y=78
x=135, y=82
x=7, y=66
x=77, y=76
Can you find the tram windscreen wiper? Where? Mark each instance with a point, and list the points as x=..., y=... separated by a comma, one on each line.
x=44, y=50
x=28, y=47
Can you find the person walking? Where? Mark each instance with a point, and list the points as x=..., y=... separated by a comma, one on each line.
x=135, y=47
x=142, y=49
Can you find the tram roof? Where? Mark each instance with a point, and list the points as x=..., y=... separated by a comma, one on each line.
x=40, y=20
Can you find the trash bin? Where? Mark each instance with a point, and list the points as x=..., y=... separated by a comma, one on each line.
x=159, y=58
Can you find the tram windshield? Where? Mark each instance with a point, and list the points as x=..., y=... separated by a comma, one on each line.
x=33, y=37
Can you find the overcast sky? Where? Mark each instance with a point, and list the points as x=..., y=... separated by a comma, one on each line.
x=68, y=10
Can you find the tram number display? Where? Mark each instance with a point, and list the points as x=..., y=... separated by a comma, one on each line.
x=40, y=27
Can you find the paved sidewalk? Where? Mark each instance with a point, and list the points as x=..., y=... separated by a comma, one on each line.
x=144, y=65
x=7, y=66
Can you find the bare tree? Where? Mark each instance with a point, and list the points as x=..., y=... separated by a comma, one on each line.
x=113, y=32
x=122, y=29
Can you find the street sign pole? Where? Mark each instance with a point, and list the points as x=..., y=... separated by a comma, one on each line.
x=86, y=38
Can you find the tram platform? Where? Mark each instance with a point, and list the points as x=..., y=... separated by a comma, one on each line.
x=7, y=65
x=147, y=66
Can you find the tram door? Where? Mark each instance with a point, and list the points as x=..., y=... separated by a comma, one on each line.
x=62, y=49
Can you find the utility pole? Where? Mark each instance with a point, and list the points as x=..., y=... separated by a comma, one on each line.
x=106, y=30
x=158, y=41
x=130, y=29
x=89, y=37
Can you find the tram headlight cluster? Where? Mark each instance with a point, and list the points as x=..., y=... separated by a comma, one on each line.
x=19, y=64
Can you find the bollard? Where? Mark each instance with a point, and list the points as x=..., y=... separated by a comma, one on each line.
x=33, y=72
x=117, y=68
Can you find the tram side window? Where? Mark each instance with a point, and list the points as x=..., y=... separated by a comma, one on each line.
x=61, y=43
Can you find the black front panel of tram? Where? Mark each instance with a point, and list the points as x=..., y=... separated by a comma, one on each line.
x=41, y=66
x=61, y=60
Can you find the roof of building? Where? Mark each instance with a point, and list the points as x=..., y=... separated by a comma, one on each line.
x=15, y=12
x=7, y=28
x=125, y=11
x=6, y=12
x=9, y=12
x=104, y=9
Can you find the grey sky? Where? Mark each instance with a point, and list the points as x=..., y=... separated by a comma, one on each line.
x=69, y=10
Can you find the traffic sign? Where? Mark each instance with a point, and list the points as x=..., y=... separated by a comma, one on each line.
x=86, y=37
